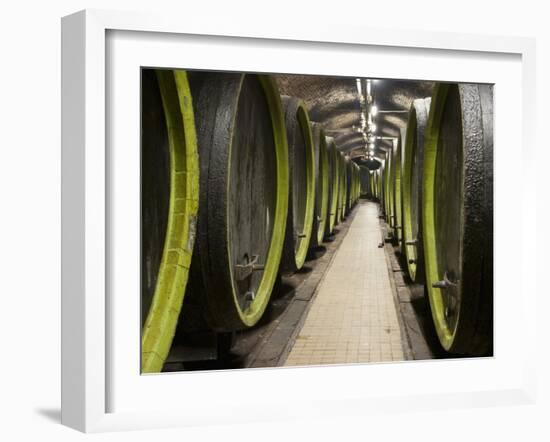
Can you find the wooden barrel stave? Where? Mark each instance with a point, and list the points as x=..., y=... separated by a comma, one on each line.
x=412, y=171
x=169, y=207
x=301, y=157
x=388, y=190
x=348, y=202
x=320, y=217
x=397, y=195
x=334, y=173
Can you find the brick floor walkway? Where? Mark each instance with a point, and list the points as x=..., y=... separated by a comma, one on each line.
x=353, y=317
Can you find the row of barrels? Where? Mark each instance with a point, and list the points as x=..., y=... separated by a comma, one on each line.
x=435, y=189
x=237, y=186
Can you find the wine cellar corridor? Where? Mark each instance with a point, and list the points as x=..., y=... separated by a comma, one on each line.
x=353, y=317
x=300, y=220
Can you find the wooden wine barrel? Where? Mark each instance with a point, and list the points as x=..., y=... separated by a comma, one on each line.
x=348, y=203
x=378, y=184
x=357, y=182
x=334, y=173
x=342, y=188
x=388, y=190
x=353, y=184
x=397, y=208
x=381, y=187
x=340, y=191
x=412, y=158
x=301, y=200
x=457, y=216
x=367, y=183
x=372, y=184
x=244, y=188
x=170, y=192
x=320, y=216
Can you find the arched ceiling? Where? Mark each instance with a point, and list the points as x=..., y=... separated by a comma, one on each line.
x=334, y=102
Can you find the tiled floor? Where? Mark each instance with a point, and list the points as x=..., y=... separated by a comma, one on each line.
x=353, y=316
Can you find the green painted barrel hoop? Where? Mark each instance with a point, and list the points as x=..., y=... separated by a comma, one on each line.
x=398, y=218
x=413, y=246
x=352, y=184
x=342, y=188
x=445, y=335
x=359, y=192
x=474, y=229
x=358, y=184
x=321, y=220
x=388, y=188
x=391, y=192
x=337, y=219
x=348, y=184
x=411, y=250
x=385, y=188
x=345, y=186
x=334, y=186
x=162, y=318
x=294, y=258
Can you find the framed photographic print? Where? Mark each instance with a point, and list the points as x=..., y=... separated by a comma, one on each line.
x=280, y=223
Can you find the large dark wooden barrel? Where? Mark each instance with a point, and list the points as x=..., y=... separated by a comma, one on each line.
x=365, y=182
x=412, y=158
x=244, y=187
x=341, y=187
x=169, y=192
x=379, y=187
x=357, y=182
x=457, y=216
x=379, y=184
x=344, y=186
x=397, y=208
x=348, y=203
x=301, y=203
x=353, y=183
x=320, y=216
x=334, y=173
x=388, y=189
x=379, y=180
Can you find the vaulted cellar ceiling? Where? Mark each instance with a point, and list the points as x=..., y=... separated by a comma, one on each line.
x=334, y=102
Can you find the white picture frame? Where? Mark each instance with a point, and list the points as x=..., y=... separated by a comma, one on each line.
x=92, y=42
